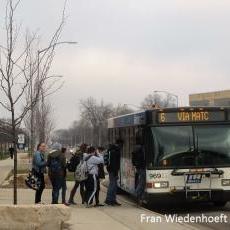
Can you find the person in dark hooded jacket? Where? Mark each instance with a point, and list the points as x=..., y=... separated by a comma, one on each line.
x=113, y=167
x=57, y=168
x=138, y=161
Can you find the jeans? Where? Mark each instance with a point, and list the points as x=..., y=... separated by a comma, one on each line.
x=57, y=182
x=63, y=188
x=140, y=189
x=112, y=189
x=39, y=192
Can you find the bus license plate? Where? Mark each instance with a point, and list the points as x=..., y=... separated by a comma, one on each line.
x=194, y=178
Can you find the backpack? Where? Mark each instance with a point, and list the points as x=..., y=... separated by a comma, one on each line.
x=107, y=158
x=82, y=170
x=55, y=165
x=73, y=163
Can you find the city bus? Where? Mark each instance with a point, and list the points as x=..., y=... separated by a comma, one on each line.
x=187, y=153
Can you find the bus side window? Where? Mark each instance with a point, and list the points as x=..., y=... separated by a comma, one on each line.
x=122, y=136
x=132, y=141
x=126, y=143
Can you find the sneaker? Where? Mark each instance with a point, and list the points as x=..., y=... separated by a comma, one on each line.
x=139, y=203
x=41, y=203
x=99, y=205
x=109, y=203
x=116, y=203
x=72, y=203
x=66, y=204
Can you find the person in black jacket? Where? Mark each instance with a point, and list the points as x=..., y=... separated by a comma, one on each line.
x=113, y=167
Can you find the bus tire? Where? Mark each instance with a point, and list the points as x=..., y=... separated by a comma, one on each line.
x=220, y=203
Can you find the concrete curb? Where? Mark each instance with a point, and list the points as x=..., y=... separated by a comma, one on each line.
x=31, y=217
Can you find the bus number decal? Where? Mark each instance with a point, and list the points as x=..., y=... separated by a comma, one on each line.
x=162, y=117
x=155, y=176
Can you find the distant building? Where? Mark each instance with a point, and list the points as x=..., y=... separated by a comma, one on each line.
x=218, y=98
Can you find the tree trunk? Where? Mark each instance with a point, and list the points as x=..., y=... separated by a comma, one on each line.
x=14, y=137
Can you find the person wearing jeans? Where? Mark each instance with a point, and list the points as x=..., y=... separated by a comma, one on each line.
x=112, y=189
x=39, y=168
x=56, y=184
x=57, y=167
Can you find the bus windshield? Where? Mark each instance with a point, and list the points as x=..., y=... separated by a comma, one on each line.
x=190, y=146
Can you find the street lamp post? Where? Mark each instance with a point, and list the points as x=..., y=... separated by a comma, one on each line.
x=168, y=93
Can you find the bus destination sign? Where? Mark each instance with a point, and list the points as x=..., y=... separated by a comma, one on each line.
x=191, y=116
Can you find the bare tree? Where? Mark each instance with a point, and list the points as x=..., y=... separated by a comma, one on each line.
x=44, y=122
x=43, y=62
x=96, y=115
x=157, y=100
x=92, y=127
x=21, y=72
x=121, y=110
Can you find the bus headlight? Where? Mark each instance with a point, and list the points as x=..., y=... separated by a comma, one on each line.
x=161, y=184
x=225, y=182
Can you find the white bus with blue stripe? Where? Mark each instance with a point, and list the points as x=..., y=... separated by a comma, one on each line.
x=187, y=152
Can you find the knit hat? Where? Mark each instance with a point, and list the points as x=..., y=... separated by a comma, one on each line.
x=56, y=146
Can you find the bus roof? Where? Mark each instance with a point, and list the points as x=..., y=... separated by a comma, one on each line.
x=170, y=115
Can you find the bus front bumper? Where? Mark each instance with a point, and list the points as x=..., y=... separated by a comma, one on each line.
x=192, y=196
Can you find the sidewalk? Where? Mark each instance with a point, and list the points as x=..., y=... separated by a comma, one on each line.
x=5, y=167
x=128, y=216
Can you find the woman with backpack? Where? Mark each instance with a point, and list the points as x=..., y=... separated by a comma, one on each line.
x=74, y=161
x=39, y=168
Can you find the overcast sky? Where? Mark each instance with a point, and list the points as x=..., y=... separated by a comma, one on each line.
x=129, y=48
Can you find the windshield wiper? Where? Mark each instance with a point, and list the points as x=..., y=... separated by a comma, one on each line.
x=173, y=154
